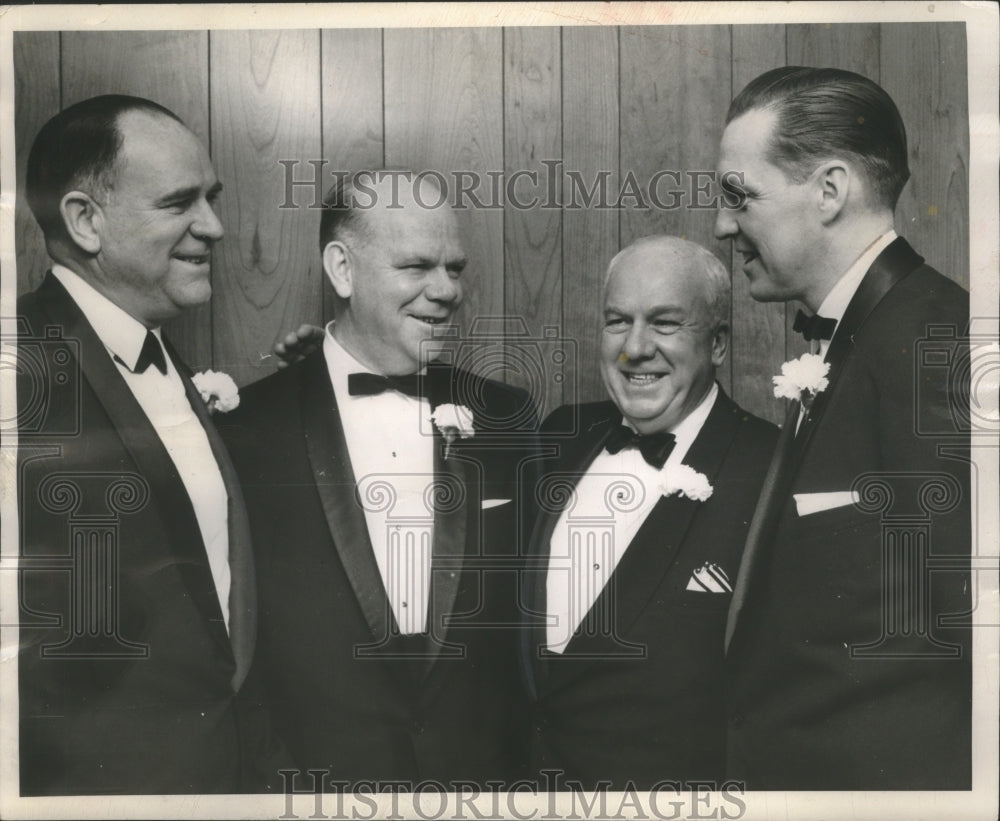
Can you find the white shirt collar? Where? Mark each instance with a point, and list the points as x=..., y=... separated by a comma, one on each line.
x=122, y=334
x=839, y=298
x=339, y=362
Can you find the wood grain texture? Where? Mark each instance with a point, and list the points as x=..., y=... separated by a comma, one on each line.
x=602, y=99
x=351, y=92
x=170, y=68
x=758, y=341
x=36, y=99
x=444, y=113
x=532, y=219
x=265, y=108
x=590, y=233
x=676, y=85
x=932, y=97
x=855, y=47
x=675, y=90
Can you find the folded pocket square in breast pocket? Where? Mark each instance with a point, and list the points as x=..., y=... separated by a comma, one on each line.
x=488, y=503
x=709, y=578
x=806, y=503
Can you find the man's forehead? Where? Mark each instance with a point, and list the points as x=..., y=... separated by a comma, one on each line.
x=153, y=143
x=651, y=271
x=748, y=135
x=413, y=222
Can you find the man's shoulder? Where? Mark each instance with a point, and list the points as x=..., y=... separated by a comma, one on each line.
x=578, y=418
x=748, y=424
x=274, y=395
x=924, y=296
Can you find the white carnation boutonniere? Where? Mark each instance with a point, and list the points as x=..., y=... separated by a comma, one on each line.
x=802, y=379
x=453, y=421
x=218, y=391
x=684, y=481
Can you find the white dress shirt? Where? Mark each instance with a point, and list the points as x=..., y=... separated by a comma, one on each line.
x=163, y=400
x=609, y=504
x=391, y=446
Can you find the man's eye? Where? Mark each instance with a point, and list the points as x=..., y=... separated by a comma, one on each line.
x=614, y=322
x=734, y=200
x=666, y=326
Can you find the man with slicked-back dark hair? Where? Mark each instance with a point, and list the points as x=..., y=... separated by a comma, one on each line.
x=849, y=660
x=137, y=596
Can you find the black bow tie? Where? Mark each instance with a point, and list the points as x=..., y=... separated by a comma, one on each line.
x=151, y=354
x=371, y=384
x=654, y=447
x=814, y=327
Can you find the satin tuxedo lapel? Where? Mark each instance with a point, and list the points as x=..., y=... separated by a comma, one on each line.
x=345, y=517
x=336, y=485
x=139, y=437
x=890, y=266
x=576, y=455
x=243, y=587
x=894, y=263
x=763, y=518
x=651, y=554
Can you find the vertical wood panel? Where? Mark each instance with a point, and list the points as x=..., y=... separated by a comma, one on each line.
x=352, y=109
x=444, y=111
x=36, y=99
x=170, y=68
x=758, y=343
x=457, y=99
x=533, y=235
x=676, y=85
x=590, y=234
x=855, y=47
x=265, y=108
x=933, y=97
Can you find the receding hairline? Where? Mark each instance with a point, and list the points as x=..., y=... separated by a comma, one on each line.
x=696, y=259
x=356, y=222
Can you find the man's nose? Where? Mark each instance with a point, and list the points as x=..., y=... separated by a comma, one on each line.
x=207, y=225
x=443, y=286
x=638, y=343
x=725, y=223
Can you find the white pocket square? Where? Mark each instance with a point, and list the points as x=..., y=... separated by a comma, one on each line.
x=488, y=503
x=806, y=503
x=709, y=578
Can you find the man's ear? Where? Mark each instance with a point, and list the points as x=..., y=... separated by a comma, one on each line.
x=340, y=272
x=833, y=180
x=83, y=219
x=720, y=344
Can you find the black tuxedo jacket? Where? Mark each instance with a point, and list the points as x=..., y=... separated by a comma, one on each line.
x=849, y=664
x=349, y=695
x=129, y=682
x=640, y=699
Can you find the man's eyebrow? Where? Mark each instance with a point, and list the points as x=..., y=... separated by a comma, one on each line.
x=191, y=192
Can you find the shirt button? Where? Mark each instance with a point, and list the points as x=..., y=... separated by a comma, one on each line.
x=597, y=567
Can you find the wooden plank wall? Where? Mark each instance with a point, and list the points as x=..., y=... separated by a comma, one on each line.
x=623, y=101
